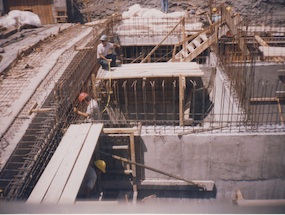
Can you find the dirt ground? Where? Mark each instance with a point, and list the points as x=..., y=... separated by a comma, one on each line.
x=254, y=10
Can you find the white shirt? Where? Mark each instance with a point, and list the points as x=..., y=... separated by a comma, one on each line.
x=91, y=177
x=104, y=50
x=93, y=110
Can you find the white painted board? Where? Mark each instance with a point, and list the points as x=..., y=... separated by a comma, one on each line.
x=59, y=181
x=43, y=183
x=73, y=184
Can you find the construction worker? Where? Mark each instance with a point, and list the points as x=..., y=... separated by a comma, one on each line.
x=104, y=57
x=89, y=186
x=93, y=109
x=164, y=5
x=215, y=14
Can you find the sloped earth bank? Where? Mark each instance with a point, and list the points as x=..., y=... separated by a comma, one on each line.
x=253, y=9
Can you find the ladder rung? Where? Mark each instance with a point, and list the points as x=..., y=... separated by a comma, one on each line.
x=203, y=37
x=120, y=147
x=196, y=42
x=184, y=52
x=190, y=47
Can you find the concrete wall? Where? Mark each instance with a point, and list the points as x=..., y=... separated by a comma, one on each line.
x=254, y=163
x=226, y=107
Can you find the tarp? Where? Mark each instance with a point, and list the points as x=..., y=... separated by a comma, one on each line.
x=137, y=11
x=18, y=19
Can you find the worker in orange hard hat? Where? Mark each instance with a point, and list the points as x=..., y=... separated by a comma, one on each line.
x=82, y=96
x=91, y=184
x=93, y=109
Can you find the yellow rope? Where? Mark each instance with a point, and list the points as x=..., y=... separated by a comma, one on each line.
x=109, y=95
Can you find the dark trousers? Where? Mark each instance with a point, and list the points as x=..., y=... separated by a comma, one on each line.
x=104, y=63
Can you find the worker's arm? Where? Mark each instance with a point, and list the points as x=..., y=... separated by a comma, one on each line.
x=104, y=58
x=80, y=112
x=117, y=45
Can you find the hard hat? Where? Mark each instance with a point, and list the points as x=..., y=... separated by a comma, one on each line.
x=103, y=37
x=214, y=10
x=82, y=96
x=100, y=164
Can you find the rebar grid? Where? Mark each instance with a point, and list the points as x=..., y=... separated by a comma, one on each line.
x=45, y=131
x=244, y=77
x=151, y=104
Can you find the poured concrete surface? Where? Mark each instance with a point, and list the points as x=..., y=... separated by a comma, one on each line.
x=254, y=163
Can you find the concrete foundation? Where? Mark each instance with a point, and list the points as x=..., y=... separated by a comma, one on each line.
x=253, y=163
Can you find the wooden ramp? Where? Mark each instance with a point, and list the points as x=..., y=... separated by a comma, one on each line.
x=194, y=48
x=196, y=44
x=61, y=180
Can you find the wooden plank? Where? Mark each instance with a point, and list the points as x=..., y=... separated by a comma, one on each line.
x=209, y=185
x=120, y=130
x=270, y=51
x=76, y=177
x=41, y=7
x=182, y=86
x=260, y=40
x=233, y=27
x=46, y=178
x=152, y=70
x=59, y=181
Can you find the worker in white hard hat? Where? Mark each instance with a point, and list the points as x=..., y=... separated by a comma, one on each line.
x=90, y=186
x=93, y=109
x=104, y=57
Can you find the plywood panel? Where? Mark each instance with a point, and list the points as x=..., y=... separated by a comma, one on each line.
x=46, y=178
x=59, y=181
x=73, y=184
x=43, y=8
x=149, y=70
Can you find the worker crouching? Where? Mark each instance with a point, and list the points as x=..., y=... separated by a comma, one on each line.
x=104, y=57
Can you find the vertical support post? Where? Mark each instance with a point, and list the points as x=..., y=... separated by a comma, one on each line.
x=144, y=98
x=134, y=85
x=152, y=83
x=211, y=12
x=163, y=98
x=126, y=99
x=93, y=80
x=133, y=159
x=181, y=99
x=184, y=35
x=173, y=99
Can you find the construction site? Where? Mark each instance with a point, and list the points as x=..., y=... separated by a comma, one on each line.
x=192, y=114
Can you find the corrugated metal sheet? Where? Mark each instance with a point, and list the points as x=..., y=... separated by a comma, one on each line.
x=43, y=8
